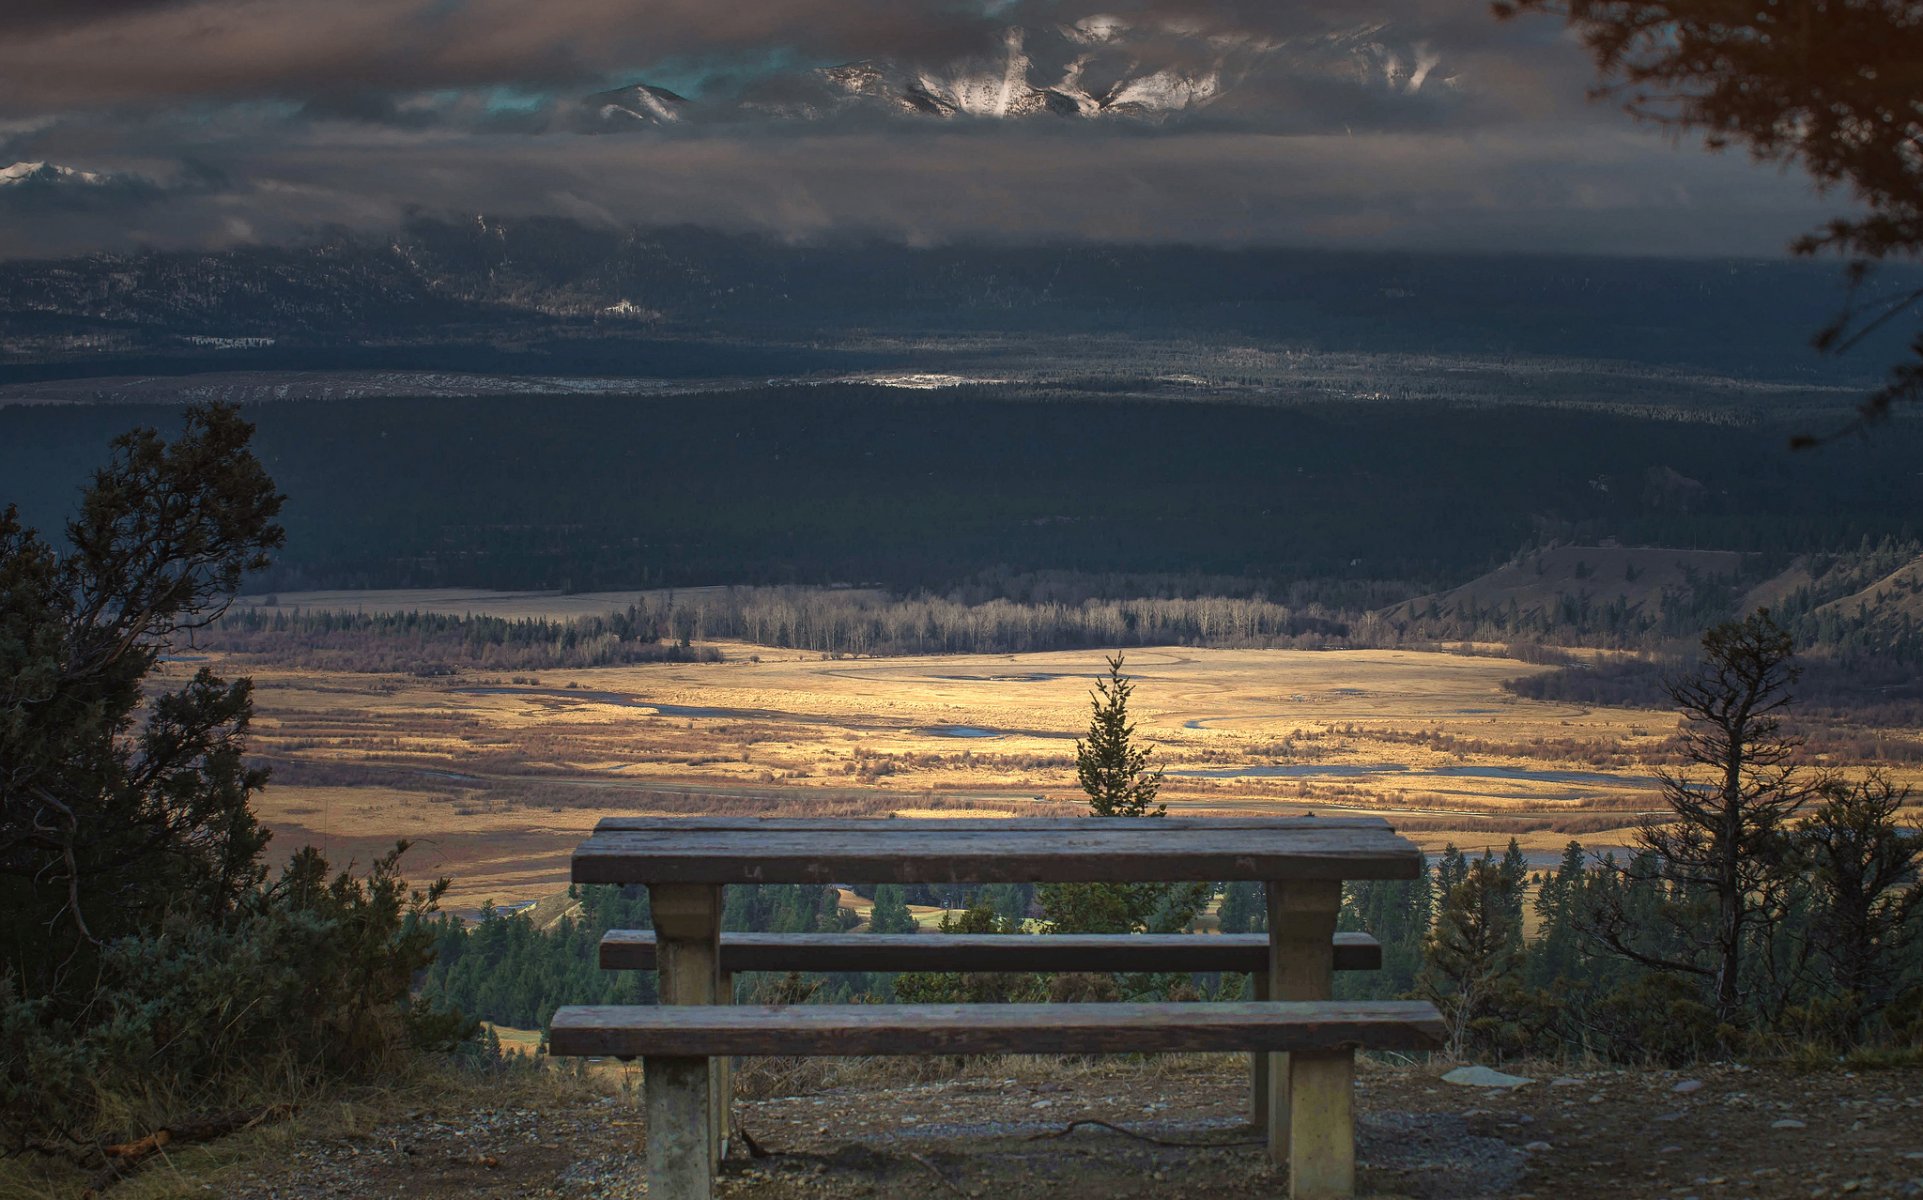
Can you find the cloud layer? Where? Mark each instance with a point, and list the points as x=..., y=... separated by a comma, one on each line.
x=1402, y=123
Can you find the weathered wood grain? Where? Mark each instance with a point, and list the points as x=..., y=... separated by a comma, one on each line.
x=634, y=950
x=681, y=1131
x=1321, y=1125
x=1302, y=920
x=1012, y=851
x=871, y=824
x=915, y=1029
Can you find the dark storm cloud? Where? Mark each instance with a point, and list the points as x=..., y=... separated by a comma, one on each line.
x=31, y=16
x=228, y=49
x=1562, y=189
x=1398, y=122
x=57, y=55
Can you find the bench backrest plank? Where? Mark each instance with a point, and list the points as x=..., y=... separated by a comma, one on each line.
x=878, y=1029
x=634, y=950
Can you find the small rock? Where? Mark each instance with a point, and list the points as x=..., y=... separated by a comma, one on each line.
x=1566, y=1081
x=1484, y=1077
x=1787, y=1123
x=1536, y=1147
x=1687, y=1086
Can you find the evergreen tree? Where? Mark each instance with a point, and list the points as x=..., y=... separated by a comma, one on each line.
x=955, y=987
x=1473, y=959
x=1515, y=878
x=1723, y=847
x=118, y=808
x=1398, y=912
x=1112, y=769
x=1868, y=898
x=1451, y=869
x=1115, y=775
x=890, y=913
x=1244, y=908
x=1555, y=957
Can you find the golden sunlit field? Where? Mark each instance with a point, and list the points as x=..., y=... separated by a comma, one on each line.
x=497, y=777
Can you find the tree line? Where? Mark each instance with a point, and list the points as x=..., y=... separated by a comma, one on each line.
x=427, y=643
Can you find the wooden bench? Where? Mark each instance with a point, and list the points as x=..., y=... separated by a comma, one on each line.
x=676, y=1043
x=1146, y=953
x=687, y=863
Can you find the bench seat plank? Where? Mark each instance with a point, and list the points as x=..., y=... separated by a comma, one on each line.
x=634, y=950
x=885, y=1029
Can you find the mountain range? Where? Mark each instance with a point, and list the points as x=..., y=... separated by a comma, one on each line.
x=1100, y=67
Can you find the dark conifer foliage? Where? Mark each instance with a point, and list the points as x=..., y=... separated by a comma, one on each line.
x=148, y=968
x=109, y=822
x=1113, y=770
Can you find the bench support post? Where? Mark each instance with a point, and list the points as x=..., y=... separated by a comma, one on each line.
x=1322, y=1125
x=679, y=1128
x=687, y=927
x=1302, y=916
x=724, y=1075
x=1259, y=1062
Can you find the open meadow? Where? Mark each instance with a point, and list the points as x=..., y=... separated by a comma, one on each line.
x=496, y=777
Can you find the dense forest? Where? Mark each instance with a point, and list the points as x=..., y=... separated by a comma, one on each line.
x=847, y=484
x=1556, y=991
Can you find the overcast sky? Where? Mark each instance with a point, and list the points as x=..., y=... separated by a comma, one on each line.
x=1360, y=123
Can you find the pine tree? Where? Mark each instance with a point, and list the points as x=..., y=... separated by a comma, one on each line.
x=1556, y=956
x=1721, y=852
x=1515, y=877
x=890, y=914
x=1244, y=910
x=1114, y=773
x=1399, y=913
x=1868, y=897
x=1473, y=958
x=1112, y=769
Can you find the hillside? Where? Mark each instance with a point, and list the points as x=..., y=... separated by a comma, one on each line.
x=1644, y=583
x=1893, y=599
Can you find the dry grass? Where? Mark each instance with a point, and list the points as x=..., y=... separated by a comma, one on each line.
x=497, y=781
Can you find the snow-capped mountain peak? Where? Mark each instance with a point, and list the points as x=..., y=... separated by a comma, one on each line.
x=638, y=103
x=1098, y=67
x=21, y=174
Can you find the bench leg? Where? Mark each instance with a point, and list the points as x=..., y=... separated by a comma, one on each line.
x=1302, y=917
x=1259, y=1062
x=679, y=1128
x=723, y=1088
x=1322, y=1125
x=687, y=928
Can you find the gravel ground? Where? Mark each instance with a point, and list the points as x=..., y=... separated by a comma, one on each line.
x=1001, y=1131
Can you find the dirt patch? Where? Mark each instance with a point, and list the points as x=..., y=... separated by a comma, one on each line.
x=1002, y=1129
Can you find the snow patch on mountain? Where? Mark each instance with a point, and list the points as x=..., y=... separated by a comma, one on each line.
x=1102, y=66
x=638, y=103
x=22, y=174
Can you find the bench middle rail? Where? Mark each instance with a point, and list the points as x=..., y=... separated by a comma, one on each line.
x=634, y=950
x=716, y=1030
